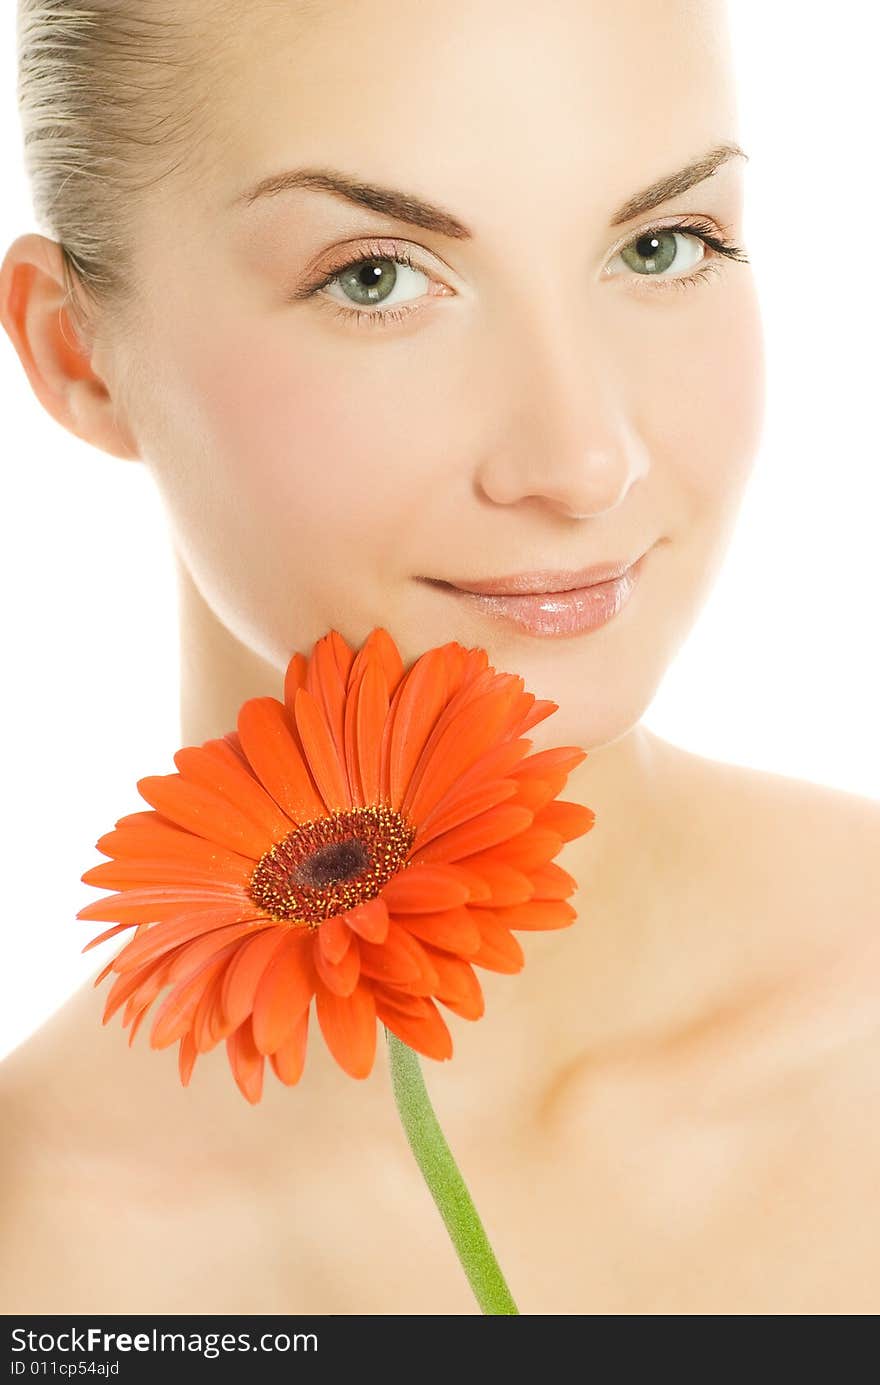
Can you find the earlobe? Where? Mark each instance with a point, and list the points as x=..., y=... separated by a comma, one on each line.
x=34, y=314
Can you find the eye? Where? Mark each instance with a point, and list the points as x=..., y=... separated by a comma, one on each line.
x=659, y=249
x=382, y=274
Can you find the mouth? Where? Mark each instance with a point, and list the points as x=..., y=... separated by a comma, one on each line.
x=545, y=604
x=542, y=581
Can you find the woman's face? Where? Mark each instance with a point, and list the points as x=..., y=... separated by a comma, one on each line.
x=522, y=397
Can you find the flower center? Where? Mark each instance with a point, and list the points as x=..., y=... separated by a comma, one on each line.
x=331, y=864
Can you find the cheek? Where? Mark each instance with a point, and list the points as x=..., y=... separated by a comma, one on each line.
x=712, y=428
x=288, y=457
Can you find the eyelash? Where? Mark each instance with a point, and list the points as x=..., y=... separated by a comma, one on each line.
x=702, y=229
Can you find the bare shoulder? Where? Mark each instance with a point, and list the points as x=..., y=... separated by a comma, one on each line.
x=815, y=845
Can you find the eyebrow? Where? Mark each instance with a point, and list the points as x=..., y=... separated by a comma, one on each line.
x=405, y=206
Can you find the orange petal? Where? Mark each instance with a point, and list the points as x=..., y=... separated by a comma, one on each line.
x=206, y=814
x=348, y=1024
x=505, y=884
x=425, y=888
x=499, y=950
x=192, y=954
x=455, y=930
x=426, y=1033
x=162, y=936
x=534, y=793
x=289, y=1060
x=284, y=991
x=339, y=977
x=324, y=763
x=175, y=1014
x=559, y=757
x=216, y=767
x=422, y=696
x=157, y=839
x=186, y=1058
x=369, y=920
x=144, y=871
x=541, y=709
x=380, y=648
x=570, y=820
x=329, y=674
x=245, y=971
x=270, y=742
x=334, y=937
x=399, y=961
x=549, y=882
x=294, y=678
x=495, y=826
x=459, y=987
x=539, y=914
x=371, y=709
x=145, y=984
x=464, y=740
x=164, y=901
x=531, y=848
x=246, y=1061
x=463, y=808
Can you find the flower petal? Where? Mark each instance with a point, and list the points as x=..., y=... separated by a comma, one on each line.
x=246, y=969
x=496, y=826
x=369, y=919
x=216, y=767
x=528, y=849
x=570, y=820
x=204, y=813
x=455, y=930
x=326, y=768
x=288, y=1061
x=425, y=888
x=423, y=696
x=399, y=961
x=499, y=950
x=269, y=739
x=539, y=914
x=339, y=977
x=426, y=1033
x=284, y=991
x=458, y=747
x=463, y=809
x=334, y=937
x=459, y=988
x=549, y=882
x=348, y=1024
x=370, y=710
x=246, y=1061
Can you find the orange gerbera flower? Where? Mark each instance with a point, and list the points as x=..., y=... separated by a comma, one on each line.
x=366, y=842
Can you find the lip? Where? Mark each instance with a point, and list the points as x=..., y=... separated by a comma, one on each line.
x=557, y=613
x=541, y=582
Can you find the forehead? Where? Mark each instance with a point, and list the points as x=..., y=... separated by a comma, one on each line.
x=466, y=98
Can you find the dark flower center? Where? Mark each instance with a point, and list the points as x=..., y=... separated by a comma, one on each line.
x=330, y=864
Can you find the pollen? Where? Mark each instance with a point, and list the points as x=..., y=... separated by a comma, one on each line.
x=331, y=864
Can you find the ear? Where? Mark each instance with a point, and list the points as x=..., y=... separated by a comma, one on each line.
x=59, y=367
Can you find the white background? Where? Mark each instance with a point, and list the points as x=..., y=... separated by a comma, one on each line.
x=780, y=671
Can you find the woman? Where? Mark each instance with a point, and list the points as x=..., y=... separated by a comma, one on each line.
x=453, y=341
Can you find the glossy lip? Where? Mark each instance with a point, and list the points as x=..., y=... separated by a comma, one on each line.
x=559, y=614
x=546, y=582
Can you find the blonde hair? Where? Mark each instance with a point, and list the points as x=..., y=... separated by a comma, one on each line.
x=113, y=98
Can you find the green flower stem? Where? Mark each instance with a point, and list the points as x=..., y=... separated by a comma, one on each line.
x=446, y=1185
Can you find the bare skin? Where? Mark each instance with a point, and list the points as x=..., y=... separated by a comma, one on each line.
x=672, y=1109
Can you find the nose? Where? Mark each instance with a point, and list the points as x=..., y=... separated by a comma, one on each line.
x=566, y=437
